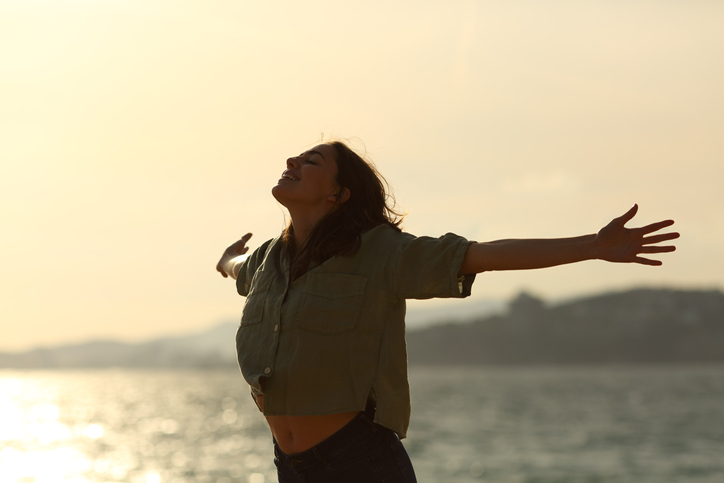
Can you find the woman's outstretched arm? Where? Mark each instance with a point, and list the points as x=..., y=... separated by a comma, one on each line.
x=231, y=260
x=613, y=243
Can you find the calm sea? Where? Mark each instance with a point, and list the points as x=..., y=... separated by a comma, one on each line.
x=514, y=424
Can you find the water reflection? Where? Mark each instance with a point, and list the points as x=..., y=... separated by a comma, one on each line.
x=130, y=426
x=643, y=424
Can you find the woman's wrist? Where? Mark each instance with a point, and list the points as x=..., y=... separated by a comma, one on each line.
x=232, y=263
x=594, y=248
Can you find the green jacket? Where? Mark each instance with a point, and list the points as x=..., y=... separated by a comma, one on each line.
x=336, y=336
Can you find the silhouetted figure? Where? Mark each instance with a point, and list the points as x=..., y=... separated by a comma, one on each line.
x=322, y=340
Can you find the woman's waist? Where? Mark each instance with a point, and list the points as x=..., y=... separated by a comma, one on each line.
x=295, y=434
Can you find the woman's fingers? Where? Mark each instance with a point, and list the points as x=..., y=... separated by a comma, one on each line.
x=658, y=249
x=655, y=226
x=626, y=217
x=660, y=238
x=221, y=270
x=647, y=261
x=240, y=247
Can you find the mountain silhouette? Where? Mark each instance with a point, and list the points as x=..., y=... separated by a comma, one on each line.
x=635, y=326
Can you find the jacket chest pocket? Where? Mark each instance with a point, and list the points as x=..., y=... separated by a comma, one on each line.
x=255, y=300
x=331, y=302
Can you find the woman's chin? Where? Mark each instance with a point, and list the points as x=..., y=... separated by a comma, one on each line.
x=278, y=194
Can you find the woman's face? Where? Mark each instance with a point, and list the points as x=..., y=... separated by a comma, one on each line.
x=309, y=180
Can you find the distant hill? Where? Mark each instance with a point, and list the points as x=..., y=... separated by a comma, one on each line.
x=637, y=326
x=211, y=348
x=644, y=325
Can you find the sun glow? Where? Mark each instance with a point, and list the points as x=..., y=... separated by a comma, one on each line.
x=43, y=466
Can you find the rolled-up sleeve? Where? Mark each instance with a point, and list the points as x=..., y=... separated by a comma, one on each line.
x=428, y=267
x=249, y=268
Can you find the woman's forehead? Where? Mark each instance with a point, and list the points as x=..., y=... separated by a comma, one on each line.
x=325, y=150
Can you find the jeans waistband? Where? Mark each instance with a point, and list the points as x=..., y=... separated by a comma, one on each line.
x=315, y=455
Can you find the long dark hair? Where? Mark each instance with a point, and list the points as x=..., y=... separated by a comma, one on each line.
x=370, y=204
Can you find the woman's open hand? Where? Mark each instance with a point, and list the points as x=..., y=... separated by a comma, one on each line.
x=616, y=243
x=225, y=267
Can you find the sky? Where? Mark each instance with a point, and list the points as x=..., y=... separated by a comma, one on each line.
x=139, y=138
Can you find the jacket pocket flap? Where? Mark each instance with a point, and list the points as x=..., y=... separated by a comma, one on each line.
x=334, y=285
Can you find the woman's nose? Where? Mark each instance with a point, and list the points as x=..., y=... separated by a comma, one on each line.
x=291, y=162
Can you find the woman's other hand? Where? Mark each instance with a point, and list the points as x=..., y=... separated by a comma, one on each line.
x=616, y=243
x=227, y=265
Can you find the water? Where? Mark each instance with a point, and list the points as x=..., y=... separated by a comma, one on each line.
x=626, y=424
x=515, y=424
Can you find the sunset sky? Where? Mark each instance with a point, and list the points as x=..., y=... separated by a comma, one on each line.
x=139, y=138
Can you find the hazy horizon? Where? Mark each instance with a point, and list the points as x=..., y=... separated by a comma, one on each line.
x=139, y=139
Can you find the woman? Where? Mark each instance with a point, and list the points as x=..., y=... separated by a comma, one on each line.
x=321, y=340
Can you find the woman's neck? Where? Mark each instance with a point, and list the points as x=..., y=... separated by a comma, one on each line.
x=303, y=225
x=300, y=237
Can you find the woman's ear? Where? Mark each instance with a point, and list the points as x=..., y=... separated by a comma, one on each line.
x=339, y=197
x=344, y=195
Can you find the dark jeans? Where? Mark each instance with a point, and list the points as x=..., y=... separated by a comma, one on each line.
x=360, y=452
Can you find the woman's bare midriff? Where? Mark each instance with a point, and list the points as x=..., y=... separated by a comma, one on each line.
x=295, y=434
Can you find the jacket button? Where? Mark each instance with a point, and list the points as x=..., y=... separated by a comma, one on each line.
x=267, y=370
x=276, y=328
